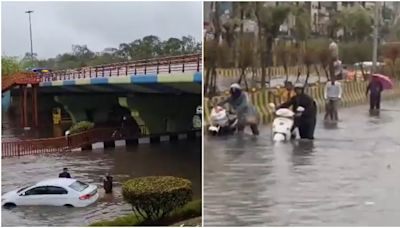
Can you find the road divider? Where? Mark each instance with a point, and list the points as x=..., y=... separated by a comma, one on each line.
x=354, y=93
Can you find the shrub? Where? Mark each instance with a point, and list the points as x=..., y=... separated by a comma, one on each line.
x=155, y=197
x=190, y=210
x=80, y=127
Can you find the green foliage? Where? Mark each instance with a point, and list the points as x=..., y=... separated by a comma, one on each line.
x=147, y=47
x=155, y=197
x=190, y=210
x=246, y=52
x=272, y=17
x=80, y=127
x=356, y=22
x=353, y=52
x=302, y=28
x=9, y=66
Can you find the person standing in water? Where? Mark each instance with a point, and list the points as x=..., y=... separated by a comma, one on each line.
x=246, y=112
x=375, y=89
x=64, y=174
x=108, y=183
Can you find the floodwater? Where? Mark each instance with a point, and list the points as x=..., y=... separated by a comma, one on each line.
x=182, y=159
x=349, y=175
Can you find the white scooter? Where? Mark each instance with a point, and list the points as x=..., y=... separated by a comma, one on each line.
x=283, y=123
x=221, y=121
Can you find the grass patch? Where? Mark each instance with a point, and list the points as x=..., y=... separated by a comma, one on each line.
x=190, y=210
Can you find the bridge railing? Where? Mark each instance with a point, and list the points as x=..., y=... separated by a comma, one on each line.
x=57, y=144
x=66, y=144
x=174, y=64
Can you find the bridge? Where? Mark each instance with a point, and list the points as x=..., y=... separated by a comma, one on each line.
x=162, y=93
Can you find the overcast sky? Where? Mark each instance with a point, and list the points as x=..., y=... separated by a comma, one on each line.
x=56, y=26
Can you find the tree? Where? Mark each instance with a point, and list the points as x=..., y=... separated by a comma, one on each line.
x=9, y=66
x=302, y=27
x=324, y=58
x=308, y=60
x=29, y=61
x=173, y=46
x=270, y=19
x=189, y=45
x=246, y=58
x=148, y=47
x=356, y=23
x=283, y=54
x=392, y=52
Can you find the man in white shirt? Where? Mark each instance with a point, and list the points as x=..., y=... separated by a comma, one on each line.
x=332, y=95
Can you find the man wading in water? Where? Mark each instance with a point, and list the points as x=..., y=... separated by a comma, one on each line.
x=246, y=112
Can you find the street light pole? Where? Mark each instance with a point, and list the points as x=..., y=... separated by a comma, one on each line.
x=30, y=30
x=375, y=48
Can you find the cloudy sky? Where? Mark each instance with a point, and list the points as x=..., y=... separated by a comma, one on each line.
x=56, y=26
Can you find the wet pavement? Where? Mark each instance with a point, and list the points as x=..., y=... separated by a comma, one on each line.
x=349, y=175
x=182, y=159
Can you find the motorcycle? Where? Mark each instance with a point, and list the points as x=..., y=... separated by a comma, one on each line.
x=283, y=122
x=222, y=122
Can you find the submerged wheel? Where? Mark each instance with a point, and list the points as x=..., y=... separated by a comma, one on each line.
x=9, y=205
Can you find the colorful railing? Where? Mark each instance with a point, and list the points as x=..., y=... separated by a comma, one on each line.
x=165, y=65
x=17, y=148
x=58, y=144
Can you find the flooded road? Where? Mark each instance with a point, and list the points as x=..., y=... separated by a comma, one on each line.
x=182, y=159
x=349, y=176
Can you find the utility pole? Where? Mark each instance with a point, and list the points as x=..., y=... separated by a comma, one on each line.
x=30, y=30
x=375, y=48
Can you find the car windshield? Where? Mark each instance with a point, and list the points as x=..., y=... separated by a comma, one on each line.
x=21, y=189
x=78, y=186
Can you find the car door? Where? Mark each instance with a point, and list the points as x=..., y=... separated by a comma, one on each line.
x=32, y=196
x=57, y=196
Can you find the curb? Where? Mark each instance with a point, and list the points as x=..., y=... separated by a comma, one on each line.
x=156, y=139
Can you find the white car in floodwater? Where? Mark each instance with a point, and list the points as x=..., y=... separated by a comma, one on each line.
x=53, y=192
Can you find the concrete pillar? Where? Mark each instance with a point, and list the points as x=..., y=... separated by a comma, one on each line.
x=34, y=106
x=21, y=105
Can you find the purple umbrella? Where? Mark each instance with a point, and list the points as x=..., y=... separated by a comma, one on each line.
x=387, y=83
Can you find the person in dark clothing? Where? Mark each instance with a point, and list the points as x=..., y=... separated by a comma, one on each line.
x=64, y=174
x=307, y=120
x=108, y=183
x=375, y=89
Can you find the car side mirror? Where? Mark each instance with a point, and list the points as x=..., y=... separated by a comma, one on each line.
x=22, y=194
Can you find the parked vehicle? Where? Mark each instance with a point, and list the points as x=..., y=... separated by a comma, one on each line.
x=53, y=192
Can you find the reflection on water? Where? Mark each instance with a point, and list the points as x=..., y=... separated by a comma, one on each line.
x=341, y=178
x=181, y=159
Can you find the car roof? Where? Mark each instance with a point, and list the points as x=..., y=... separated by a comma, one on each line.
x=57, y=182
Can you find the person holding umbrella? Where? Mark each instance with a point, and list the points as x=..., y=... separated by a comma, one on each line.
x=375, y=87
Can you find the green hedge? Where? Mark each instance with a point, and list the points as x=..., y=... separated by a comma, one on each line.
x=80, y=127
x=155, y=197
x=190, y=210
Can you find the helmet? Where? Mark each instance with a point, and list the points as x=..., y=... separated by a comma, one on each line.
x=235, y=90
x=236, y=86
